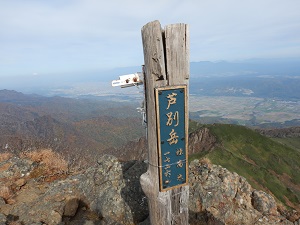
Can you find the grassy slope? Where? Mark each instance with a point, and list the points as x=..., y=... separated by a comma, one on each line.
x=266, y=164
x=293, y=142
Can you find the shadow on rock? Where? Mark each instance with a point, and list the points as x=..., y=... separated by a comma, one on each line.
x=203, y=218
x=132, y=193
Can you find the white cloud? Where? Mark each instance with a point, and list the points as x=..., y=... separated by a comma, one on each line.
x=83, y=34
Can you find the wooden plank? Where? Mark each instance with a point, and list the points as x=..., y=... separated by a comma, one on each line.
x=177, y=53
x=155, y=76
x=169, y=207
x=178, y=70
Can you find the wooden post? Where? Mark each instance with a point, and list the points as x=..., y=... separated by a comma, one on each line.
x=166, y=56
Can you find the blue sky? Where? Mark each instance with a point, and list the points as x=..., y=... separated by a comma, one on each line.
x=40, y=37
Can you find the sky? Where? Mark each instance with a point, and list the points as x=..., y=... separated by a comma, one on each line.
x=40, y=37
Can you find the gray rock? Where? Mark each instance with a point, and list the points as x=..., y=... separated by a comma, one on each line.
x=109, y=193
x=132, y=193
x=17, y=167
x=218, y=196
x=2, y=219
x=2, y=201
x=264, y=203
x=145, y=222
x=71, y=207
x=88, y=222
x=98, y=189
x=201, y=141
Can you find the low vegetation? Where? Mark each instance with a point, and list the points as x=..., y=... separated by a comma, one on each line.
x=292, y=142
x=52, y=162
x=266, y=164
x=4, y=156
x=48, y=166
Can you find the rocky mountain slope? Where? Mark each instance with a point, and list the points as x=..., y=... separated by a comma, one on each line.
x=109, y=193
x=200, y=141
x=280, y=133
x=267, y=165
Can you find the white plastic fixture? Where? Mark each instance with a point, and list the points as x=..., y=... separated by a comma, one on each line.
x=128, y=80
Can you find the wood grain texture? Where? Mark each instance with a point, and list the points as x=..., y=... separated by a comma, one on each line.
x=177, y=53
x=166, y=57
x=155, y=76
x=178, y=71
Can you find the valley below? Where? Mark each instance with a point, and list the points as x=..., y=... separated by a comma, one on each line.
x=248, y=111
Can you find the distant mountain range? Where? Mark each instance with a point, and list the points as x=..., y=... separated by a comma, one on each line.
x=248, y=85
x=281, y=67
x=74, y=127
x=256, y=77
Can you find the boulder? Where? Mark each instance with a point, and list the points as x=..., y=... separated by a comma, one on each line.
x=264, y=203
x=2, y=201
x=96, y=192
x=2, y=219
x=218, y=196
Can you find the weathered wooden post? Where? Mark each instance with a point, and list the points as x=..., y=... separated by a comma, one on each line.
x=166, y=56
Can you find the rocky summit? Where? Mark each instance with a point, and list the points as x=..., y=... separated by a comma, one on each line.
x=109, y=193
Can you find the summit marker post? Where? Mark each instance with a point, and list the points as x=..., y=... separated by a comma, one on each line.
x=166, y=78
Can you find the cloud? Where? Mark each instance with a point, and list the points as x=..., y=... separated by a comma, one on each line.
x=90, y=34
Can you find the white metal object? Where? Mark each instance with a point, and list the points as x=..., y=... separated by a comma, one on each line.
x=128, y=80
x=142, y=110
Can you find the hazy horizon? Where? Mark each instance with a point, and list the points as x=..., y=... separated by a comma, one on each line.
x=248, y=76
